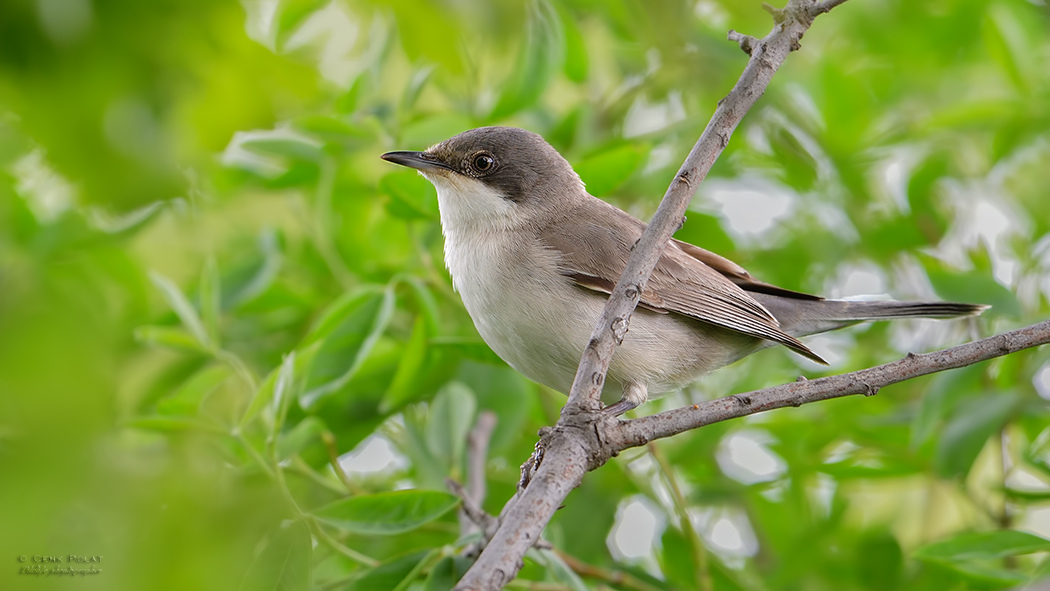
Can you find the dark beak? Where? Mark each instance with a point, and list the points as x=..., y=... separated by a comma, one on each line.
x=417, y=160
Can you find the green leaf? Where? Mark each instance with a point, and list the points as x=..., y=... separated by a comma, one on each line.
x=576, y=62
x=247, y=283
x=166, y=336
x=415, y=87
x=183, y=309
x=347, y=335
x=605, y=171
x=983, y=546
x=411, y=196
x=977, y=288
x=294, y=441
x=284, y=565
x=986, y=574
x=1030, y=496
x=537, y=59
x=187, y=399
x=451, y=416
x=412, y=441
x=940, y=398
x=388, y=512
x=389, y=575
x=285, y=389
x=289, y=148
x=559, y=571
x=413, y=574
x=334, y=130
x=469, y=347
x=446, y=573
x=975, y=420
x=211, y=299
x=427, y=304
x=405, y=385
x=1006, y=43
x=290, y=15
x=174, y=424
x=125, y=224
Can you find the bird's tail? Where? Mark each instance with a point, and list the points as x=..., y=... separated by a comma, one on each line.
x=799, y=317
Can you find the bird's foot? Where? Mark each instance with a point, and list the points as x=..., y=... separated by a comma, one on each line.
x=634, y=395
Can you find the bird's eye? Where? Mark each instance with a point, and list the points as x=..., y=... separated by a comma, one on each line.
x=484, y=162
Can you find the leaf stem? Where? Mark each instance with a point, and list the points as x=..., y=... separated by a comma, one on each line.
x=700, y=559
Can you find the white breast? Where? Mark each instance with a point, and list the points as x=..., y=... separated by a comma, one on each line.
x=508, y=282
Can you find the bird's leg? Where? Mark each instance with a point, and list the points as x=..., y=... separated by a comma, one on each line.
x=634, y=395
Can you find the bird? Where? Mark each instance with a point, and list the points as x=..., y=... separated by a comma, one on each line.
x=534, y=257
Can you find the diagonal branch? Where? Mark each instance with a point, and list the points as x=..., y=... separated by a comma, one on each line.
x=570, y=451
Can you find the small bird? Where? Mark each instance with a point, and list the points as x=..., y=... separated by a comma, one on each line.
x=534, y=257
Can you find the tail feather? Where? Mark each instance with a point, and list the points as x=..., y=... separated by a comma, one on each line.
x=805, y=317
x=885, y=310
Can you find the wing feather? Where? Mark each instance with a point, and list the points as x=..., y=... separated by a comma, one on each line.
x=594, y=251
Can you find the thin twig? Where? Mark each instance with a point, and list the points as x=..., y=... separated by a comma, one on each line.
x=824, y=7
x=478, y=454
x=472, y=518
x=333, y=458
x=703, y=568
x=334, y=544
x=615, y=577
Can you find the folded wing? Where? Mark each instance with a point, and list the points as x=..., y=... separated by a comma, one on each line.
x=685, y=281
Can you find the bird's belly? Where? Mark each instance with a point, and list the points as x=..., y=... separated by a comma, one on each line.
x=539, y=322
x=527, y=329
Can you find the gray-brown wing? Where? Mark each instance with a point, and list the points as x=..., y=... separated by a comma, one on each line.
x=595, y=251
x=738, y=274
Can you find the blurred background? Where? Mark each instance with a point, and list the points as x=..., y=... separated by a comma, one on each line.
x=210, y=287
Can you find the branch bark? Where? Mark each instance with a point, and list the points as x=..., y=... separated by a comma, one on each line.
x=637, y=432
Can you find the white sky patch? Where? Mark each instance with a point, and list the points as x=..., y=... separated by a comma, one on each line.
x=711, y=13
x=1036, y=520
x=659, y=157
x=1041, y=381
x=637, y=530
x=840, y=452
x=804, y=105
x=983, y=216
x=47, y=193
x=744, y=457
x=833, y=347
x=259, y=21
x=822, y=493
x=835, y=220
x=855, y=279
x=992, y=222
x=727, y=532
x=343, y=48
x=65, y=21
x=645, y=117
x=891, y=176
x=375, y=455
x=751, y=207
x=342, y=51
x=1023, y=479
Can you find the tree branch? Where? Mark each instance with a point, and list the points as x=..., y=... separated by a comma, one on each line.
x=637, y=432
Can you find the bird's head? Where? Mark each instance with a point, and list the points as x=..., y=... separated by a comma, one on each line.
x=500, y=177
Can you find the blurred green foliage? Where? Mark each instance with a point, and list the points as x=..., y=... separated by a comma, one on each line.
x=210, y=286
